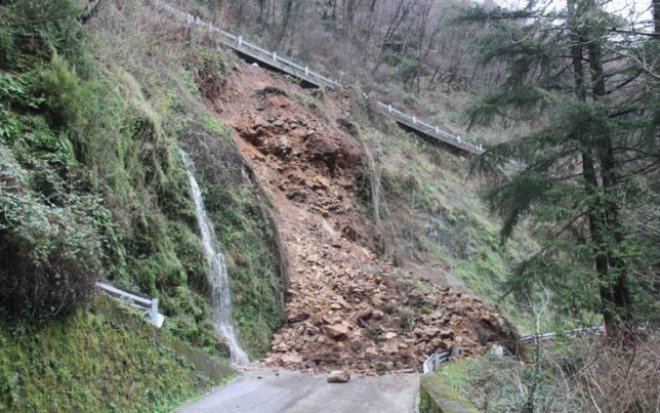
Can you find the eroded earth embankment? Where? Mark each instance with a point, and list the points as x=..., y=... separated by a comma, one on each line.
x=347, y=307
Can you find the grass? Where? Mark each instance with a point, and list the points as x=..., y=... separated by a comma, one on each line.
x=255, y=279
x=105, y=107
x=102, y=359
x=247, y=237
x=177, y=82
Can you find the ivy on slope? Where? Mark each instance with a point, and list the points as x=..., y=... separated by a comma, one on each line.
x=91, y=186
x=91, y=146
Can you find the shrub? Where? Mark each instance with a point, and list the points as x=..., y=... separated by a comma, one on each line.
x=209, y=69
x=50, y=254
x=582, y=374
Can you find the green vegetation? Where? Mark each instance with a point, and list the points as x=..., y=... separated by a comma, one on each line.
x=437, y=397
x=246, y=234
x=585, y=178
x=256, y=278
x=572, y=375
x=92, y=186
x=100, y=359
x=90, y=148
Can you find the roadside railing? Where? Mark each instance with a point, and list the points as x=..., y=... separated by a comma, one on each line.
x=433, y=131
x=436, y=359
x=287, y=65
x=150, y=305
x=243, y=46
x=570, y=333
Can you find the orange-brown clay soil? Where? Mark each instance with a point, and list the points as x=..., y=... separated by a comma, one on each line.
x=347, y=307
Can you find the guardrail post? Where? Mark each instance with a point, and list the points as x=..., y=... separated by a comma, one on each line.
x=458, y=138
x=414, y=119
x=274, y=56
x=153, y=311
x=455, y=352
x=436, y=130
x=240, y=41
x=306, y=71
x=389, y=108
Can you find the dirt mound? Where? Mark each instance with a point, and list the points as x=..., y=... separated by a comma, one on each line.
x=346, y=307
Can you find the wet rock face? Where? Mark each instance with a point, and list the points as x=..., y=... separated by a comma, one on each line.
x=347, y=308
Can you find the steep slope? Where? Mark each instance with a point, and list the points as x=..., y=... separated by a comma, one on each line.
x=347, y=307
x=92, y=186
x=101, y=359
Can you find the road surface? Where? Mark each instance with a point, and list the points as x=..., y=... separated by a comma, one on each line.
x=262, y=391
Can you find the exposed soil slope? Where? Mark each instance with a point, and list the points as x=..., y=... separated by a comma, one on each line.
x=347, y=307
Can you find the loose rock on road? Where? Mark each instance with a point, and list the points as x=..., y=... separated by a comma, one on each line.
x=262, y=391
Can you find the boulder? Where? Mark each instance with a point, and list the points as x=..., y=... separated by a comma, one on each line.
x=336, y=331
x=391, y=347
x=292, y=358
x=390, y=335
x=297, y=317
x=338, y=376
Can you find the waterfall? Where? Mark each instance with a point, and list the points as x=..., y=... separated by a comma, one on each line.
x=220, y=296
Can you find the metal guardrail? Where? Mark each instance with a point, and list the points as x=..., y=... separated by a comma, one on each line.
x=551, y=336
x=254, y=51
x=432, y=131
x=436, y=359
x=150, y=305
x=303, y=72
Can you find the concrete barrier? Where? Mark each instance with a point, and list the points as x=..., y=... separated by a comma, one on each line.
x=435, y=397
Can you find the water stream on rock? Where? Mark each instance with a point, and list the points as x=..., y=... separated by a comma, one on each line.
x=218, y=277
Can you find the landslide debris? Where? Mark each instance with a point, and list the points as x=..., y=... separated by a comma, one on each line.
x=347, y=308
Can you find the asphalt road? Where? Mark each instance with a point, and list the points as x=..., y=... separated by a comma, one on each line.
x=262, y=391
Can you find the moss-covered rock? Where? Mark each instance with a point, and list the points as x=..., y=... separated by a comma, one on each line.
x=436, y=397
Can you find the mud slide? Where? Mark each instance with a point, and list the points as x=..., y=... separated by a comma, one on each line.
x=347, y=308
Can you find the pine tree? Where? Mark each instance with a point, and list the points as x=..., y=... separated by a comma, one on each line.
x=588, y=176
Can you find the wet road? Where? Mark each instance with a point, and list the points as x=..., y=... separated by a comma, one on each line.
x=262, y=391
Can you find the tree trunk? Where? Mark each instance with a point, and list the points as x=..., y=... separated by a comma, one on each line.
x=603, y=215
x=614, y=292
x=260, y=19
x=656, y=15
x=286, y=18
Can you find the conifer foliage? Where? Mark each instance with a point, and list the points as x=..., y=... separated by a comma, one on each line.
x=587, y=178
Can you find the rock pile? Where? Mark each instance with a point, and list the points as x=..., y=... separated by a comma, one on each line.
x=371, y=323
x=346, y=308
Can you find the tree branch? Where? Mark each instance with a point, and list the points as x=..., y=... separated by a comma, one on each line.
x=636, y=33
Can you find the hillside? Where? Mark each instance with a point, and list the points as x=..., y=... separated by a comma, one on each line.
x=93, y=187
x=347, y=305
x=419, y=55
x=135, y=108
x=350, y=243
